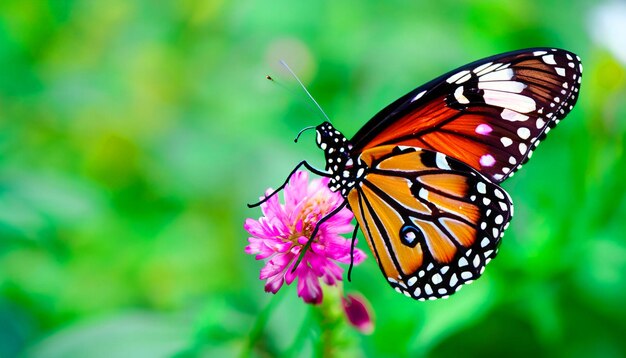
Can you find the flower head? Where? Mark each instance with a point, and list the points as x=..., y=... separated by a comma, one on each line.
x=284, y=229
x=358, y=312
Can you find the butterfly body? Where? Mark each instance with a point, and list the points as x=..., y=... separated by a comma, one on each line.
x=422, y=176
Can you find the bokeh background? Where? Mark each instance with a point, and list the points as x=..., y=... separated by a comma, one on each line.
x=133, y=133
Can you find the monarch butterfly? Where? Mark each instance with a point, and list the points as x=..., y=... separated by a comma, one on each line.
x=422, y=176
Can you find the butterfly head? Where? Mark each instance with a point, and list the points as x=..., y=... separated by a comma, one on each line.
x=344, y=169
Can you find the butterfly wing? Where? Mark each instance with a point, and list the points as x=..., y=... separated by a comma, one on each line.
x=489, y=114
x=432, y=222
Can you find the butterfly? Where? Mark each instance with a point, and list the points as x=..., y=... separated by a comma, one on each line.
x=422, y=176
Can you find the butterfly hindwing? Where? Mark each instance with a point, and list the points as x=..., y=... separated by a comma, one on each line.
x=489, y=114
x=432, y=222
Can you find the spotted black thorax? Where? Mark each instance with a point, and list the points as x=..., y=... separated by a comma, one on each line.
x=345, y=170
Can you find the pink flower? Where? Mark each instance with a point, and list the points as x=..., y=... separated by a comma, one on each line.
x=281, y=233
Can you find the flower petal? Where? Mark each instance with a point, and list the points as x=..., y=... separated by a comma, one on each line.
x=309, y=287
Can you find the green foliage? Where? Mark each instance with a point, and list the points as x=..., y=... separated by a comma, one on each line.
x=133, y=133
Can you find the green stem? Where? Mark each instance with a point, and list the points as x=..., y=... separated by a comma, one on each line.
x=259, y=325
x=301, y=336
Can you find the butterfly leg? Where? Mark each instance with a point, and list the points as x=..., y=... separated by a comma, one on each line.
x=306, y=165
x=315, y=230
x=356, y=229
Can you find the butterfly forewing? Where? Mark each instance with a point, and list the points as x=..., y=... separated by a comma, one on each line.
x=489, y=114
x=432, y=222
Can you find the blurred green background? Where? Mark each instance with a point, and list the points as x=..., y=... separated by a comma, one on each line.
x=133, y=133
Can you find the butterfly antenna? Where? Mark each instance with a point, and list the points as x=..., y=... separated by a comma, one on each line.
x=282, y=62
x=302, y=131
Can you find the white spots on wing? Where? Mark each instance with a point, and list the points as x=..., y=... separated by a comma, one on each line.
x=512, y=160
x=539, y=53
x=481, y=187
x=499, y=219
x=423, y=193
x=503, y=205
x=453, y=280
x=487, y=160
x=540, y=123
x=437, y=279
x=523, y=132
x=463, y=262
x=501, y=75
x=476, y=261
x=569, y=57
x=486, y=201
x=464, y=78
x=513, y=101
x=418, y=96
x=483, y=225
x=441, y=161
x=549, y=59
x=456, y=76
x=458, y=94
x=428, y=290
x=560, y=71
x=483, y=129
x=489, y=69
x=466, y=275
x=484, y=242
x=412, y=281
x=498, y=193
x=506, y=141
x=496, y=232
x=505, y=86
x=513, y=116
x=498, y=176
x=482, y=67
x=523, y=148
